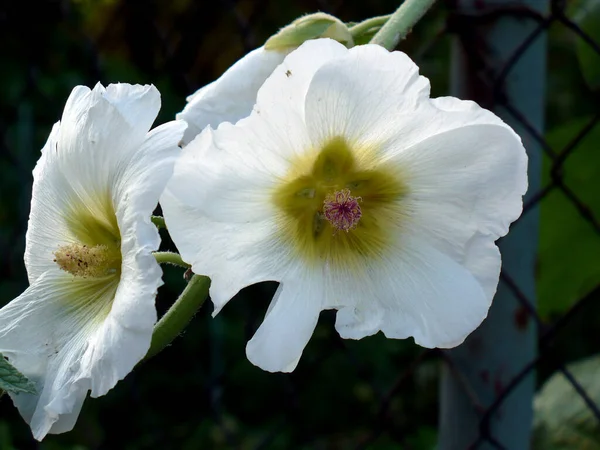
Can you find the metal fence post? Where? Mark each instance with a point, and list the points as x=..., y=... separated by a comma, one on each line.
x=499, y=60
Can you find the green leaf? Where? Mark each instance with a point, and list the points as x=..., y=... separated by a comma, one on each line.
x=11, y=380
x=588, y=18
x=569, y=246
x=562, y=419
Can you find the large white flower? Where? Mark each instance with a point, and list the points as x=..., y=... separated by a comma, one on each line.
x=357, y=192
x=88, y=315
x=232, y=96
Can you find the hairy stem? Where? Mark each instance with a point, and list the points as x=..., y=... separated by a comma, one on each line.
x=170, y=258
x=179, y=315
x=401, y=23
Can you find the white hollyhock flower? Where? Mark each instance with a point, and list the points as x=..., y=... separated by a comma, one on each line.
x=87, y=317
x=232, y=96
x=357, y=192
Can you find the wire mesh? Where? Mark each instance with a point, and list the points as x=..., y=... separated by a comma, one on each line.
x=344, y=394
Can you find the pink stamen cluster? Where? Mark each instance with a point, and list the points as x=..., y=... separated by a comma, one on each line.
x=342, y=210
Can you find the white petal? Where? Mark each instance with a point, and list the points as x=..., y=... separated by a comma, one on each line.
x=482, y=258
x=133, y=313
x=365, y=96
x=420, y=292
x=46, y=229
x=228, y=214
x=465, y=168
x=146, y=174
x=232, y=96
x=275, y=131
x=290, y=321
x=45, y=333
x=138, y=104
x=107, y=125
x=124, y=337
x=466, y=187
x=54, y=333
x=93, y=151
x=290, y=81
x=61, y=341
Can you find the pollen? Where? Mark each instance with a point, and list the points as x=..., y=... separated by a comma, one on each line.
x=86, y=261
x=342, y=210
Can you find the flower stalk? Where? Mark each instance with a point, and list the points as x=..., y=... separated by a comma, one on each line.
x=179, y=315
x=401, y=23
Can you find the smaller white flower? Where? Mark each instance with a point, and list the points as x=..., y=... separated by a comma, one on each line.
x=232, y=96
x=357, y=192
x=87, y=317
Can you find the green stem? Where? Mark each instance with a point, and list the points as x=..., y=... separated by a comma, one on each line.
x=401, y=23
x=179, y=315
x=366, y=25
x=159, y=222
x=170, y=258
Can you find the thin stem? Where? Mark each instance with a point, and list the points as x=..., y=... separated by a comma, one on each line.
x=179, y=315
x=401, y=23
x=170, y=258
x=159, y=222
x=366, y=25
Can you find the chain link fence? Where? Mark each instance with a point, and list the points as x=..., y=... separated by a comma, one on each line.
x=556, y=182
x=368, y=394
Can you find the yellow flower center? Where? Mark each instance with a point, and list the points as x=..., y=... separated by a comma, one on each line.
x=97, y=250
x=340, y=188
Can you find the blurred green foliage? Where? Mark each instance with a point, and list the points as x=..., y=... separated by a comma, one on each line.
x=569, y=246
x=202, y=392
x=587, y=15
x=563, y=421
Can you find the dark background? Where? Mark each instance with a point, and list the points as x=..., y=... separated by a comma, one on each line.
x=202, y=392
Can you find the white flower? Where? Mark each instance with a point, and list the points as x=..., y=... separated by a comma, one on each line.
x=357, y=192
x=88, y=315
x=232, y=96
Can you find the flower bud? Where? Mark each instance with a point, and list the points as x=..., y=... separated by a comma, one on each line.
x=311, y=26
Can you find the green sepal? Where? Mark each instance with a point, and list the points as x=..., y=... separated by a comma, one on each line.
x=363, y=32
x=311, y=26
x=13, y=381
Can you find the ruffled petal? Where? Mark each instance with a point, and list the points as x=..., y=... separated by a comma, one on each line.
x=71, y=334
x=290, y=81
x=418, y=292
x=365, y=95
x=465, y=189
x=97, y=149
x=46, y=229
x=105, y=127
x=232, y=96
x=464, y=172
x=464, y=168
x=139, y=186
x=138, y=104
x=289, y=323
x=228, y=214
x=48, y=334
